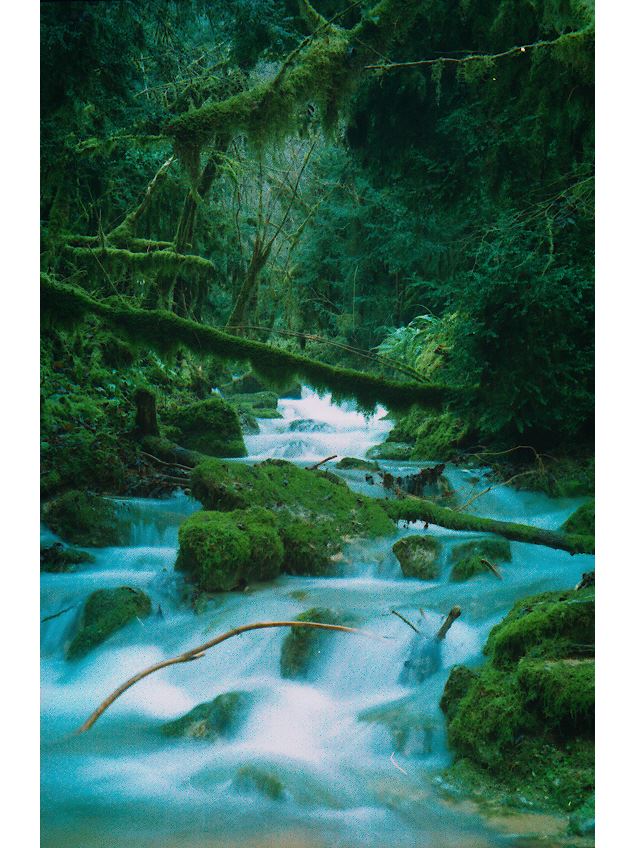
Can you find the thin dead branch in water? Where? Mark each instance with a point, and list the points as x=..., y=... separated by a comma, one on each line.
x=492, y=567
x=489, y=489
x=56, y=614
x=405, y=620
x=199, y=652
x=321, y=462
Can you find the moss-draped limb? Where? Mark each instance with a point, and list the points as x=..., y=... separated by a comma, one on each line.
x=165, y=332
x=128, y=226
x=153, y=260
x=136, y=245
x=417, y=509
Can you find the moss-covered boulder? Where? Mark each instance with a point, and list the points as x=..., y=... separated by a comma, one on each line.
x=211, y=720
x=467, y=558
x=348, y=463
x=524, y=721
x=411, y=730
x=309, y=549
x=210, y=426
x=552, y=625
x=582, y=521
x=221, y=551
x=429, y=436
x=263, y=781
x=85, y=519
x=397, y=451
x=104, y=612
x=419, y=557
x=302, y=645
x=317, y=497
x=57, y=559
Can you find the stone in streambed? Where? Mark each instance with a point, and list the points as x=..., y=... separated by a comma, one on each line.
x=302, y=645
x=411, y=730
x=418, y=557
x=467, y=557
x=211, y=720
x=57, y=559
x=104, y=612
x=85, y=519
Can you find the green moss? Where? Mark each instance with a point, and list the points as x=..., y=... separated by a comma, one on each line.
x=301, y=645
x=582, y=822
x=105, y=612
x=417, y=509
x=211, y=720
x=308, y=546
x=563, y=691
x=390, y=450
x=352, y=462
x=551, y=625
x=582, y=521
x=85, y=519
x=456, y=687
x=223, y=550
x=56, y=558
x=165, y=332
x=467, y=558
x=257, y=400
x=433, y=437
x=153, y=261
x=252, y=778
x=418, y=557
x=209, y=426
x=314, y=496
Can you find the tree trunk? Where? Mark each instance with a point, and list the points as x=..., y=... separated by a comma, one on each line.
x=146, y=423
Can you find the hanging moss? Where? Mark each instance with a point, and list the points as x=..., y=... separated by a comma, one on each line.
x=149, y=262
x=105, y=612
x=416, y=509
x=165, y=332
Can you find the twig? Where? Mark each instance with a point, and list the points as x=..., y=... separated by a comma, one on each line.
x=199, y=652
x=321, y=462
x=492, y=567
x=56, y=614
x=161, y=462
x=493, y=486
x=405, y=620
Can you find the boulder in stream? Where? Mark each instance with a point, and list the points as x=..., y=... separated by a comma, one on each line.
x=211, y=720
x=104, y=612
x=252, y=778
x=85, y=519
x=582, y=522
x=221, y=551
x=57, y=559
x=412, y=730
x=302, y=645
x=210, y=426
x=353, y=463
x=419, y=557
x=468, y=557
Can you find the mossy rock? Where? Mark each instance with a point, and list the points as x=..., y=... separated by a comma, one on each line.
x=84, y=519
x=456, y=687
x=582, y=521
x=256, y=400
x=390, y=450
x=211, y=720
x=309, y=546
x=57, y=559
x=353, y=463
x=261, y=780
x=221, y=551
x=411, y=730
x=315, y=496
x=301, y=645
x=210, y=426
x=563, y=691
x=467, y=557
x=552, y=625
x=582, y=822
x=419, y=557
x=104, y=612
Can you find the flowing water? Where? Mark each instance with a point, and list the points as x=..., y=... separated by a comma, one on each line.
x=123, y=783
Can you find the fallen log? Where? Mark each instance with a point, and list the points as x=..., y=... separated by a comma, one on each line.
x=199, y=652
x=416, y=509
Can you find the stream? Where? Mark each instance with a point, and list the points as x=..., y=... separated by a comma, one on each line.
x=124, y=784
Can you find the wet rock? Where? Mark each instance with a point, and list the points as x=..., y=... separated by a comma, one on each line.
x=85, y=519
x=353, y=463
x=221, y=551
x=456, y=687
x=104, y=612
x=412, y=731
x=302, y=645
x=418, y=557
x=57, y=559
x=211, y=720
x=265, y=782
x=468, y=557
x=210, y=426
x=307, y=425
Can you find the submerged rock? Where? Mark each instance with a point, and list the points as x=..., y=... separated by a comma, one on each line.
x=221, y=551
x=210, y=426
x=212, y=719
x=353, y=463
x=302, y=645
x=418, y=557
x=257, y=779
x=86, y=519
x=412, y=731
x=307, y=425
x=468, y=557
x=104, y=612
x=57, y=559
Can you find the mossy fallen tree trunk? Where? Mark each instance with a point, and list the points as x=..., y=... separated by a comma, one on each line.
x=165, y=332
x=417, y=509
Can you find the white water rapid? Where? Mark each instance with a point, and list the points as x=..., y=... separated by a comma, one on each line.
x=124, y=784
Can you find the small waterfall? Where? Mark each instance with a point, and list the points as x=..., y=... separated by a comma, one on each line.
x=326, y=738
